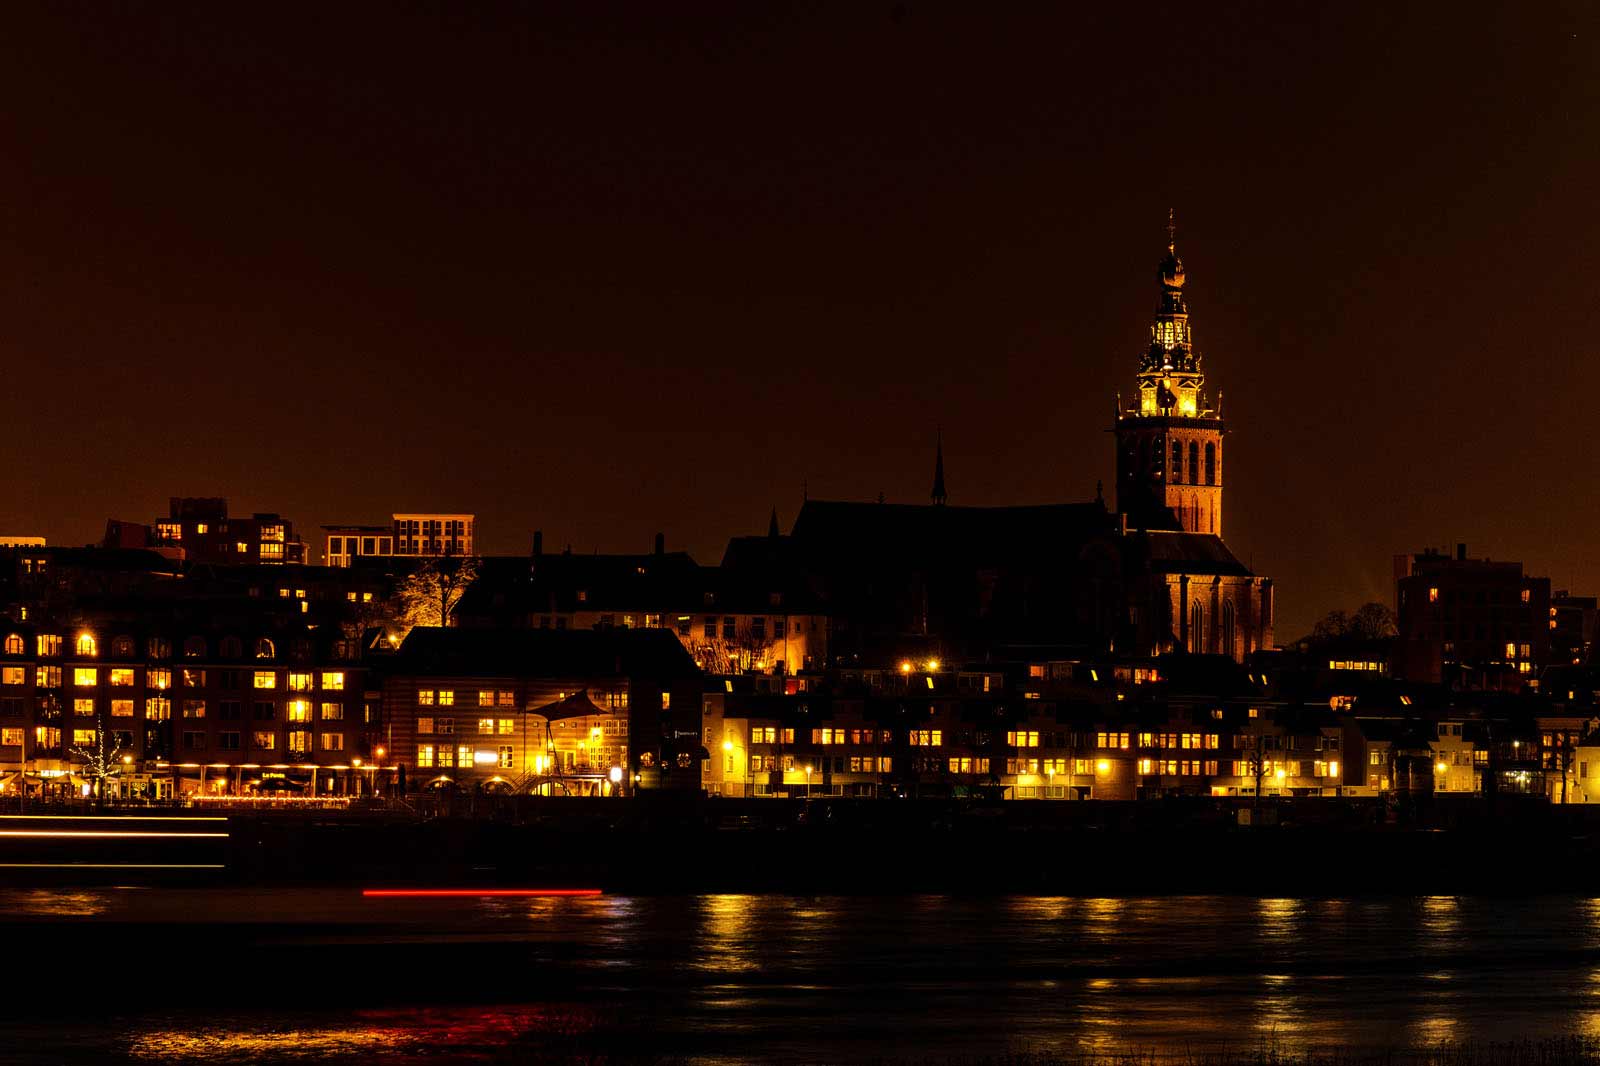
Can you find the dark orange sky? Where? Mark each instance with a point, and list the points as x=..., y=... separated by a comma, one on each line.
x=604, y=270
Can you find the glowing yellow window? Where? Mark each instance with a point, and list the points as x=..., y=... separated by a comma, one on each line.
x=507, y=726
x=266, y=679
x=485, y=697
x=86, y=645
x=299, y=683
x=85, y=677
x=1433, y=595
x=447, y=697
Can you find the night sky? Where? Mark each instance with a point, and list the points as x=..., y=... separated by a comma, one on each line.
x=604, y=270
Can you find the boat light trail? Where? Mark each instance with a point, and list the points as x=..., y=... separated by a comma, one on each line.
x=63, y=834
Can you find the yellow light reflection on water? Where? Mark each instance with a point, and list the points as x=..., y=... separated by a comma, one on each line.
x=228, y=1044
x=726, y=945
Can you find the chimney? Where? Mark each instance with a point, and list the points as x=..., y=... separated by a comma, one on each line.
x=661, y=544
x=1461, y=553
x=538, y=542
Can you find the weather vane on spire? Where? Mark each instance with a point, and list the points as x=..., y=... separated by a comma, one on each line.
x=1172, y=231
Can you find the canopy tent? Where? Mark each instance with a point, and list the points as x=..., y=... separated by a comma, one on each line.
x=577, y=705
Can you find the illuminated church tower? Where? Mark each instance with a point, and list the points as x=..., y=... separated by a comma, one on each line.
x=1169, y=444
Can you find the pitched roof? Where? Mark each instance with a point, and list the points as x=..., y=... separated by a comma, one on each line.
x=867, y=532
x=552, y=653
x=1189, y=553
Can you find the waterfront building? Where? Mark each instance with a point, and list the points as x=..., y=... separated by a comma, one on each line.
x=564, y=712
x=183, y=709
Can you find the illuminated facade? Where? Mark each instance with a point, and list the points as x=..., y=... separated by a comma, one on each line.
x=544, y=712
x=1195, y=596
x=1169, y=441
x=346, y=544
x=434, y=534
x=184, y=711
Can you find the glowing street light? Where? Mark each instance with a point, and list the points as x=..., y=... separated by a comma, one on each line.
x=808, y=782
x=906, y=666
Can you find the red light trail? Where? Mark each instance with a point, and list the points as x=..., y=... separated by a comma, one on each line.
x=458, y=893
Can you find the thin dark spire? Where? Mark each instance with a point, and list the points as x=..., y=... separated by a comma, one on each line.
x=772, y=524
x=939, y=495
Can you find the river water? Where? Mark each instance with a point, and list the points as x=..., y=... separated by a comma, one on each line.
x=734, y=979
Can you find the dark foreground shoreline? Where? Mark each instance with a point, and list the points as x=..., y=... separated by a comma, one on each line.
x=851, y=847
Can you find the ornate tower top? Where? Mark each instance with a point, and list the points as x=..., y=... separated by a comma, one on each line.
x=1170, y=374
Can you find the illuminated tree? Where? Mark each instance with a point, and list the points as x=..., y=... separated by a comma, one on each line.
x=430, y=595
x=102, y=758
x=734, y=655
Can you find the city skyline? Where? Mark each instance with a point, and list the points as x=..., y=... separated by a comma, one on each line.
x=331, y=280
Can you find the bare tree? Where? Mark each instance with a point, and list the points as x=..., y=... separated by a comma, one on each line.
x=1370, y=621
x=429, y=596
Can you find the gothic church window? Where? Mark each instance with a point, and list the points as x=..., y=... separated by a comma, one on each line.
x=1194, y=462
x=1211, y=464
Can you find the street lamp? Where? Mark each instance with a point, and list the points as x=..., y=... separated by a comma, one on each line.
x=808, y=783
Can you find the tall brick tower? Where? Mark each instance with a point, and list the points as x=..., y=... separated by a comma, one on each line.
x=1169, y=443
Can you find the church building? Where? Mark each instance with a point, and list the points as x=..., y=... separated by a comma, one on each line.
x=1198, y=595
x=1152, y=577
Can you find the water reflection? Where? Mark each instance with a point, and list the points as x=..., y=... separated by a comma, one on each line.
x=48, y=902
x=389, y=1035
x=851, y=980
x=727, y=946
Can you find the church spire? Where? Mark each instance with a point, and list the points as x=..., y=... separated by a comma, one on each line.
x=1170, y=374
x=938, y=469
x=772, y=524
